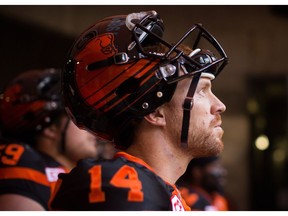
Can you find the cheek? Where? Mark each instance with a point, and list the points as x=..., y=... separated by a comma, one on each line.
x=74, y=134
x=173, y=118
x=200, y=115
x=201, y=109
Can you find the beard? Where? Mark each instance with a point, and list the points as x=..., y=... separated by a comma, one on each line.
x=204, y=140
x=205, y=143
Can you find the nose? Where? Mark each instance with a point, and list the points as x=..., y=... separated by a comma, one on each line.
x=219, y=106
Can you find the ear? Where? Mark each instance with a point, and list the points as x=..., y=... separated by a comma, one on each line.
x=157, y=117
x=51, y=132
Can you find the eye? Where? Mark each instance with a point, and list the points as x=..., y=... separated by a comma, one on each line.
x=204, y=88
x=202, y=91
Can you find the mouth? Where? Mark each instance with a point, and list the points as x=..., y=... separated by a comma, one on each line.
x=219, y=124
x=219, y=129
x=217, y=121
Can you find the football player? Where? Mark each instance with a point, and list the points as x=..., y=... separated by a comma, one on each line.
x=40, y=142
x=153, y=99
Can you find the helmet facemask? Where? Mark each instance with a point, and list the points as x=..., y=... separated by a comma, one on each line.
x=197, y=36
x=198, y=61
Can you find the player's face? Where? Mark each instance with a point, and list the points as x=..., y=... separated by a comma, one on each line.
x=205, y=131
x=80, y=143
x=205, y=123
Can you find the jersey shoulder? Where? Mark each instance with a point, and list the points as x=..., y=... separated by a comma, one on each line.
x=26, y=172
x=19, y=154
x=116, y=184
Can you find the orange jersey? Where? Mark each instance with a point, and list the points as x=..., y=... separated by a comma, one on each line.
x=123, y=183
x=27, y=172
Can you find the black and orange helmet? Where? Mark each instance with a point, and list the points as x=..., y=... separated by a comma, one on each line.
x=30, y=102
x=111, y=78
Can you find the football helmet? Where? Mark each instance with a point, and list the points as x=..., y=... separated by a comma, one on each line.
x=112, y=76
x=30, y=102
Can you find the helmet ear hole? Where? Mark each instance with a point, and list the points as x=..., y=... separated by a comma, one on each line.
x=130, y=86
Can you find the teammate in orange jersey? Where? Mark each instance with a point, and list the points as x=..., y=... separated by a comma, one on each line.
x=40, y=140
x=153, y=99
x=202, y=185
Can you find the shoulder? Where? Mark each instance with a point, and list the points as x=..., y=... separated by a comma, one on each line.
x=112, y=171
x=22, y=172
x=116, y=171
x=16, y=154
x=112, y=184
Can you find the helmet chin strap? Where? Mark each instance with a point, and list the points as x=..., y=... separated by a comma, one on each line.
x=187, y=106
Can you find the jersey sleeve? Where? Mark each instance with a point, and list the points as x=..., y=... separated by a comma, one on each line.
x=111, y=185
x=22, y=172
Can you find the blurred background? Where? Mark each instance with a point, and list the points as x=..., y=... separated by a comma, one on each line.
x=253, y=86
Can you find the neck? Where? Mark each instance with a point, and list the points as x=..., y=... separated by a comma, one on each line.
x=48, y=147
x=166, y=158
x=64, y=161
